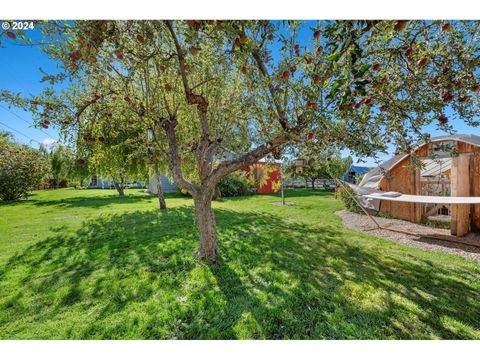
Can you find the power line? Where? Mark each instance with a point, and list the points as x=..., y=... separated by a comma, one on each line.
x=57, y=142
x=19, y=132
x=26, y=121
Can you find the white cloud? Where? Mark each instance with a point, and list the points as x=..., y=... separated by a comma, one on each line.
x=49, y=142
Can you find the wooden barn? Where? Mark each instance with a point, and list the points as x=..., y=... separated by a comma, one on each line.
x=448, y=166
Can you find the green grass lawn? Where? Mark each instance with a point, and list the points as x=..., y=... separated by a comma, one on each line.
x=87, y=264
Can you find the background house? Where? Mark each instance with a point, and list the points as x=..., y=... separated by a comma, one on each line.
x=167, y=185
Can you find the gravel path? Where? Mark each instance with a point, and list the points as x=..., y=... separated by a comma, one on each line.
x=363, y=223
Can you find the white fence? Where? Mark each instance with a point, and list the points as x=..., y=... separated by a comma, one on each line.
x=301, y=183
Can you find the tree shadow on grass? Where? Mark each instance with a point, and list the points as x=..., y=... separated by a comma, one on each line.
x=288, y=194
x=134, y=276
x=93, y=202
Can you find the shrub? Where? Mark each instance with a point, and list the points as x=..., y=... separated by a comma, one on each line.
x=185, y=193
x=236, y=184
x=21, y=168
x=346, y=195
x=436, y=224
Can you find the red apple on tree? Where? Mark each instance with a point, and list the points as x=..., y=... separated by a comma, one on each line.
x=243, y=39
x=286, y=75
x=119, y=54
x=194, y=24
x=422, y=62
x=75, y=56
x=443, y=120
x=446, y=27
x=193, y=50
x=446, y=96
x=400, y=25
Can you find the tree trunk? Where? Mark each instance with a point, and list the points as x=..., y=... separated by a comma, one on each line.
x=218, y=194
x=161, y=197
x=205, y=220
x=119, y=188
x=313, y=184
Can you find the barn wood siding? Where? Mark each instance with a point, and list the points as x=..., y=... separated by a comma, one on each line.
x=405, y=182
x=460, y=185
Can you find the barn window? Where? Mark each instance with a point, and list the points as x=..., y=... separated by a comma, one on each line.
x=443, y=149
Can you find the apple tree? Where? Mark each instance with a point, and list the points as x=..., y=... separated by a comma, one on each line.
x=398, y=77
x=226, y=94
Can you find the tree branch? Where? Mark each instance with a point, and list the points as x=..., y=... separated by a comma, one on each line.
x=263, y=69
x=169, y=126
x=204, y=164
x=227, y=167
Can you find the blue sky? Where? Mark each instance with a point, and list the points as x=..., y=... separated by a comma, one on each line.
x=19, y=72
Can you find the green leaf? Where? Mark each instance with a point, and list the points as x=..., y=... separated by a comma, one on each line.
x=361, y=90
x=345, y=96
x=362, y=70
x=333, y=57
x=335, y=88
